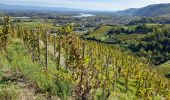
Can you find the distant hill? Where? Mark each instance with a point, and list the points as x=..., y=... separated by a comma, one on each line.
x=130, y=11
x=151, y=10
x=5, y=7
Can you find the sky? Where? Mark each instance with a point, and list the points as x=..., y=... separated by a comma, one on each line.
x=107, y=5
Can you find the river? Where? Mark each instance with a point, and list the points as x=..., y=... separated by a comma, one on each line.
x=85, y=15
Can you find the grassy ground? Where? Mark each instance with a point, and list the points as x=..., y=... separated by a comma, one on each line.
x=164, y=68
x=124, y=37
x=13, y=86
x=100, y=33
x=19, y=75
x=110, y=40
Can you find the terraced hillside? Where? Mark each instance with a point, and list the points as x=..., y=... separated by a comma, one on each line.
x=76, y=69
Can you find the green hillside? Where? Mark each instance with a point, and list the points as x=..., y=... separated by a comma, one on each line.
x=115, y=34
x=40, y=66
x=164, y=68
x=100, y=33
x=145, y=40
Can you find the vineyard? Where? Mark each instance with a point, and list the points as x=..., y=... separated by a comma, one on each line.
x=60, y=64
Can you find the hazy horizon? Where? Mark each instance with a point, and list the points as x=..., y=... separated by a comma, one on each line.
x=104, y=5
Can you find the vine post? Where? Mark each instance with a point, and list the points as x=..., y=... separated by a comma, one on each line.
x=46, y=49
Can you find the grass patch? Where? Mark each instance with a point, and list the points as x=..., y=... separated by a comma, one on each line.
x=164, y=68
x=49, y=81
x=9, y=92
x=124, y=37
x=99, y=33
x=110, y=40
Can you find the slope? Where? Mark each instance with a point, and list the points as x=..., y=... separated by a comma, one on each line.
x=151, y=10
x=164, y=69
